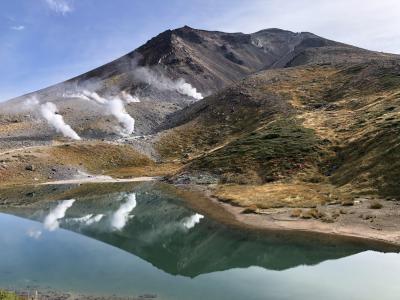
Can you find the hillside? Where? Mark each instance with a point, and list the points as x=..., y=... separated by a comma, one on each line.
x=316, y=124
x=207, y=60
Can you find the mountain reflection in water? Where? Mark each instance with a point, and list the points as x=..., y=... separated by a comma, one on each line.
x=159, y=228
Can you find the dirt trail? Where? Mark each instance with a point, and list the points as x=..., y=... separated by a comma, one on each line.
x=99, y=179
x=9, y=151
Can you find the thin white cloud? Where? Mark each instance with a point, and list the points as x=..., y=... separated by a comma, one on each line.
x=18, y=27
x=59, y=6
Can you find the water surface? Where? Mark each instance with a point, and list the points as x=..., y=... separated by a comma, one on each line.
x=140, y=240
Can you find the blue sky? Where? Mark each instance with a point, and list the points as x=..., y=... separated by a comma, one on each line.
x=43, y=42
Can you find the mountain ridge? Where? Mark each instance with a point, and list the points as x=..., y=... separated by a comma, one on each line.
x=165, y=38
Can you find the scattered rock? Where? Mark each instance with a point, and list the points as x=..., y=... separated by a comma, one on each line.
x=327, y=219
x=306, y=215
x=295, y=213
x=368, y=217
x=315, y=213
x=30, y=168
x=347, y=202
x=312, y=213
x=375, y=205
x=252, y=209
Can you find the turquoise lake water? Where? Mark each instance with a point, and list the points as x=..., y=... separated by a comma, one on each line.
x=145, y=242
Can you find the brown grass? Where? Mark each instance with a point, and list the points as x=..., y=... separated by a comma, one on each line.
x=276, y=195
x=93, y=157
x=161, y=169
x=97, y=156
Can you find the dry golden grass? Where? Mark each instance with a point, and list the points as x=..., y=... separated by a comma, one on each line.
x=276, y=195
x=92, y=157
x=162, y=169
x=174, y=143
x=192, y=139
x=99, y=156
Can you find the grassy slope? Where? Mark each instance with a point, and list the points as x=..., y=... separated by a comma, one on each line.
x=272, y=152
x=335, y=126
x=65, y=160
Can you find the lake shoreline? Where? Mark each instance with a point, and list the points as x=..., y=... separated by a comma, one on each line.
x=349, y=226
x=354, y=228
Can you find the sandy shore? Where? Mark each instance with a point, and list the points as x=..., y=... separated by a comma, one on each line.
x=98, y=179
x=376, y=227
x=353, y=225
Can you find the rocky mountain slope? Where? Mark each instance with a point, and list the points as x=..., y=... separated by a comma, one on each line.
x=206, y=60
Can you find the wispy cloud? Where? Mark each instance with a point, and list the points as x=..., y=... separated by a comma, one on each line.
x=18, y=28
x=59, y=6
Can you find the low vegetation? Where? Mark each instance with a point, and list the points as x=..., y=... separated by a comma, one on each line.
x=335, y=126
x=275, y=195
x=4, y=295
x=375, y=205
x=280, y=149
x=40, y=164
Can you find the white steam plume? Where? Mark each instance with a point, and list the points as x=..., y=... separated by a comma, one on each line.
x=50, y=113
x=120, y=217
x=31, y=102
x=117, y=109
x=114, y=107
x=129, y=98
x=187, y=89
x=163, y=83
x=51, y=221
x=76, y=95
x=94, y=96
x=191, y=221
